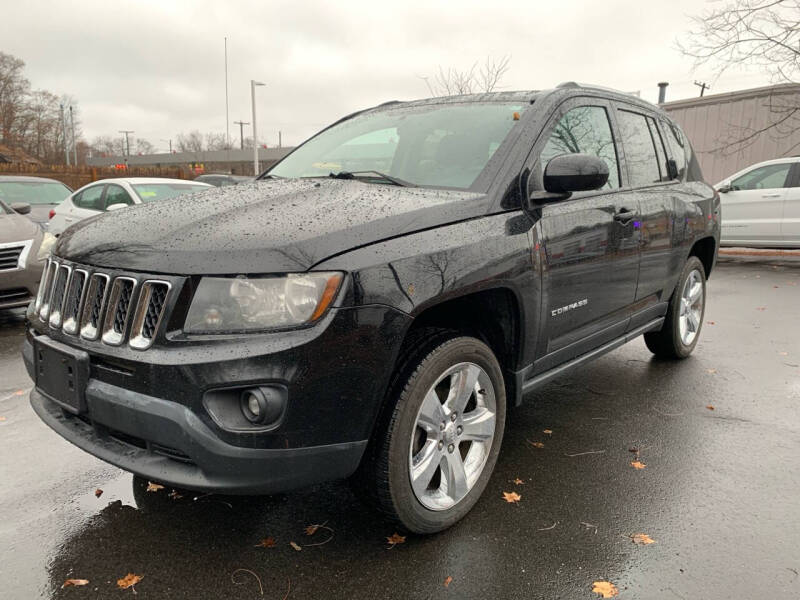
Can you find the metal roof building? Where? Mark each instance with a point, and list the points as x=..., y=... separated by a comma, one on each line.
x=240, y=160
x=731, y=131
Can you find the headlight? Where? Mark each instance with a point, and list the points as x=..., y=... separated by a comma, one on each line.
x=223, y=304
x=48, y=241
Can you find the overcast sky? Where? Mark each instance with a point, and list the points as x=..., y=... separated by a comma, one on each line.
x=157, y=67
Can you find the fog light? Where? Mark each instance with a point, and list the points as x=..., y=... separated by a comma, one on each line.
x=261, y=405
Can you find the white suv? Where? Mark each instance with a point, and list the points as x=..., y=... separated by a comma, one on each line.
x=761, y=205
x=111, y=194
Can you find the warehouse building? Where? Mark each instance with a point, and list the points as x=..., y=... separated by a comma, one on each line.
x=732, y=131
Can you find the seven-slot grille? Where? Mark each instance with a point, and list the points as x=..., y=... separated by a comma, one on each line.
x=9, y=256
x=98, y=305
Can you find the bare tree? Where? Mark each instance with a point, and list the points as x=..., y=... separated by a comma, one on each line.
x=215, y=141
x=190, y=142
x=452, y=81
x=14, y=89
x=143, y=146
x=760, y=34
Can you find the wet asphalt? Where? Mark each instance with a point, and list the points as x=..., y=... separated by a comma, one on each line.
x=720, y=492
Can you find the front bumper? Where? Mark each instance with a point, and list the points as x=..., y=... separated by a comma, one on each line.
x=145, y=412
x=18, y=286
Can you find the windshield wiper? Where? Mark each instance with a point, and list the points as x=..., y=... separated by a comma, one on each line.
x=374, y=175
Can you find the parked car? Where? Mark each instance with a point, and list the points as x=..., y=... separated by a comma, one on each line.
x=371, y=306
x=222, y=179
x=40, y=193
x=112, y=194
x=24, y=247
x=761, y=205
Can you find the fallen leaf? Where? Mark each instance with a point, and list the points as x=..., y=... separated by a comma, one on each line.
x=311, y=529
x=19, y=392
x=268, y=542
x=606, y=589
x=518, y=481
x=448, y=581
x=783, y=353
x=548, y=431
x=98, y=492
x=710, y=406
x=634, y=450
x=711, y=371
x=71, y=582
x=761, y=308
x=536, y=444
x=154, y=487
x=711, y=322
x=775, y=287
x=642, y=539
x=395, y=539
x=175, y=495
x=129, y=580
x=511, y=497
x=2, y=418
x=295, y=546
x=638, y=464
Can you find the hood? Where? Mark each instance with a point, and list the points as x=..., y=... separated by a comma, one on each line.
x=267, y=226
x=17, y=228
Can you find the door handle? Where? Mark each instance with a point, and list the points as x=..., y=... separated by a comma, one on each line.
x=624, y=215
x=771, y=196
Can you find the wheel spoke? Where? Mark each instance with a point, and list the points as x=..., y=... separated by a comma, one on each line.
x=695, y=292
x=454, y=475
x=431, y=413
x=425, y=467
x=694, y=322
x=478, y=425
x=462, y=386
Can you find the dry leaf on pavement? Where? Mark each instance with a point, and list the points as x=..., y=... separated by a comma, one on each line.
x=642, y=539
x=448, y=581
x=154, y=487
x=518, y=481
x=637, y=464
x=395, y=539
x=311, y=529
x=129, y=580
x=536, y=444
x=547, y=431
x=295, y=546
x=267, y=542
x=71, y=582
x=710, y=406
x=712, y=371
x=98, y=492
x=511, y=497
x=606, y=589
x=2, y=418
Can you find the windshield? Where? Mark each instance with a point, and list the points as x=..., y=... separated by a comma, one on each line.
x=33, y=192
x=150, y=192
x=446, y=145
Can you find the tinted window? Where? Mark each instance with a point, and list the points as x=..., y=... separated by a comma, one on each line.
x=584, y=130
x=90, y=198
x=678, y=147
x=33, y=192
x=445, y=145
x=117, y=195
x=640, y=152
x=763, y=178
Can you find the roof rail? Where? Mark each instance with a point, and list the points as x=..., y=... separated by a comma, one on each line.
x=568, y=84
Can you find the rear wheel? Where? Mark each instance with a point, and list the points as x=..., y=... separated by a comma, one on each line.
x=684, y=318
x=436, y=449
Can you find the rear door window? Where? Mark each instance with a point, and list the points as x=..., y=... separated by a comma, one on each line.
x=640, y=150
x=584, y=130
x=116, y=194
x=91, y=198
x=677, y=145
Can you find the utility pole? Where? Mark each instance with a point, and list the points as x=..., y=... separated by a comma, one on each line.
x=126, y=133
x=241, y=125
x=279, y=140
x=227, y=116
x=169, y=142
x=703, y=86
x=253, y=84
x=74, y=147
x=64, y=129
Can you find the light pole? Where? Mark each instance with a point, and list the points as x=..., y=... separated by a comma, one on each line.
x=253, y=84
x=64, y=129
x=74, y=147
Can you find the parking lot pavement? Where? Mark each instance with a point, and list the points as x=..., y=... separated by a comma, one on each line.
x=719, y=435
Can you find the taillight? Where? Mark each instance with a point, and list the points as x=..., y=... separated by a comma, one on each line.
x=52, y=213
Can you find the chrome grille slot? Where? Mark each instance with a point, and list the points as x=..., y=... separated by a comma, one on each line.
x=93, y=305
x=73, y=300
x=40, y=294
x=119, y=310
x=149, y=312
x=9, y=256
x=57, y=297
x=44, y=311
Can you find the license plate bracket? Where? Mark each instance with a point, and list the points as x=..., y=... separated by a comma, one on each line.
x=62, y=373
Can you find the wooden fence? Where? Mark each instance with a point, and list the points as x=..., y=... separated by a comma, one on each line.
x=79, y=176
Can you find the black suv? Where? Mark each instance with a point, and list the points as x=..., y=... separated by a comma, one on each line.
x=372, y=305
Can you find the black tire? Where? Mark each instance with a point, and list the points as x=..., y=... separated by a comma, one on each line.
x=668, y=343
x=384, y=476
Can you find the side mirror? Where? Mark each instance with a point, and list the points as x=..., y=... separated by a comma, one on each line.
x=724, y=189
x=116, y=206
x=574, y=173
x=672, y=169
x=22, y=208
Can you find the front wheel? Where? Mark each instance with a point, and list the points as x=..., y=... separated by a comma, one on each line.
x=684, y=318
x=437, y=450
